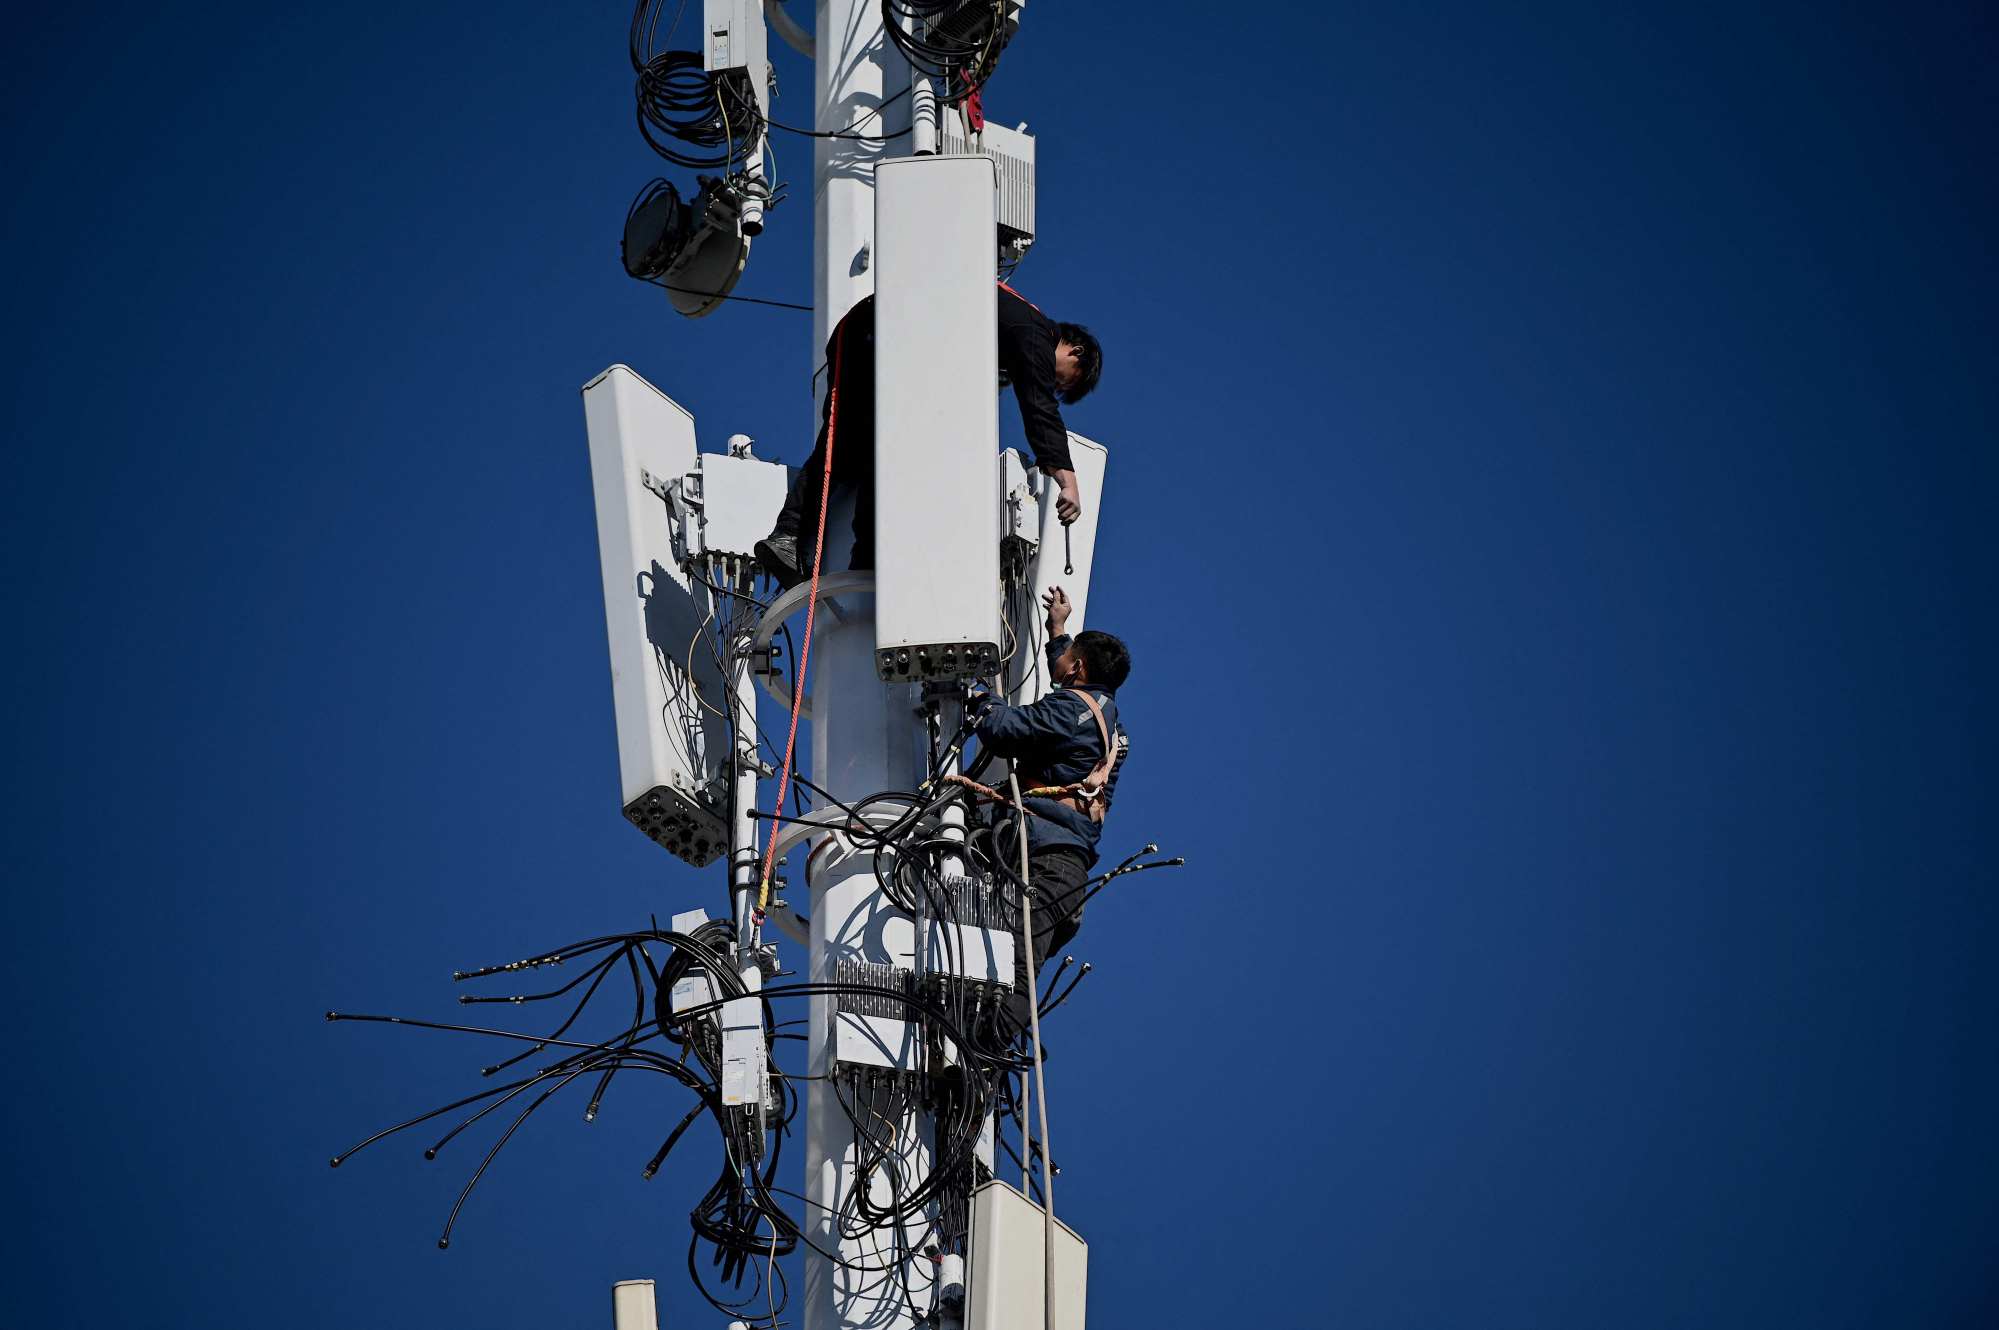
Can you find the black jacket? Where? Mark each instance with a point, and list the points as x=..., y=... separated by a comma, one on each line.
x=1056, y=740
x=1027, y=340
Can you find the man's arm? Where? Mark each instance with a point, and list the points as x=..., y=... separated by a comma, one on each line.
x=1057, y=644
x=1011, y=731
x=1027, y=354
x=1057, y=603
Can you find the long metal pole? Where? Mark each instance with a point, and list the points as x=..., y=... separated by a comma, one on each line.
x=864, y=733
x=1040, y=1084
x=743, y=828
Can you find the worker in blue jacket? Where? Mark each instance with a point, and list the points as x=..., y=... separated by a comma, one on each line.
x=1066, y=750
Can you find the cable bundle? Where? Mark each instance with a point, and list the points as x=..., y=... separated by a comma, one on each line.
x=687, y=115
x=956, y=41
x=896, y=1211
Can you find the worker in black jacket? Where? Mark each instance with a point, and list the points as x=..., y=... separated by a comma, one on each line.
x=1066, y=751
x=1045, y=362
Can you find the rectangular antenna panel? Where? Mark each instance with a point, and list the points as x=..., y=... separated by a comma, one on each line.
x=737, y=40
x=1029, y=665
x=936, y=420
x=1012, y=151
x=1004, y=1283
x=633, y=1305
x=670, y=745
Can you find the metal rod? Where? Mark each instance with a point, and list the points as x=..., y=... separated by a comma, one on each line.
x=1040, y=1083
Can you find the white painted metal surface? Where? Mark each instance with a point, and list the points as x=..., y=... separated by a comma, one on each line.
x=1012, y=151
x=670, y=744
x=864, y=740
x=695, y=990
x=936, y=421
x=855, y=72
x=876, y=1041
x=744, y=1052
x=733, y=37
x=1027, y=672
x=739, y=499
x=1005, y=1288
x=982, y=955
x=633, y=1306
x=864, y=735
x=1019, y=504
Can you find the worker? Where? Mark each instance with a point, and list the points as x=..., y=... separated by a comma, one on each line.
x=1066, y=751
x=1045, y=362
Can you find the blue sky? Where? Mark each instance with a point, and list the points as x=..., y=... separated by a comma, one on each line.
x=1549, y=508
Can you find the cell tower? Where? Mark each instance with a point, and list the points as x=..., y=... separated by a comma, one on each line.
x=879, y=891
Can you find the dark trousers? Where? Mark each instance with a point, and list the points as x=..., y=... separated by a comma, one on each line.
x=852, y=348
x=1057, y=876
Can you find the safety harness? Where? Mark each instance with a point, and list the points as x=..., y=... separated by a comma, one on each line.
x=1086, y=796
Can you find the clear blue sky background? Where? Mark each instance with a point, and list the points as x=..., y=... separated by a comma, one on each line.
x=1550, y=511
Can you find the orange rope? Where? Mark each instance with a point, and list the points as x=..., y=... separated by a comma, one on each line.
x=811, y=613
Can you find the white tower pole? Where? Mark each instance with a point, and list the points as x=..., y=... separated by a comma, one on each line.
x=854, y=71
x=864, y=732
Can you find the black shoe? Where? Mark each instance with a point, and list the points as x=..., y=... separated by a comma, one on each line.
x=777, y=554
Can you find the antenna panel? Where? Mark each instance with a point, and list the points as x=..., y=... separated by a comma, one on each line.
x=1029, y=665
x=1090, y=460
x=1004, y=1286
x=670, y=744
x=634, y=1305
x=936, y=420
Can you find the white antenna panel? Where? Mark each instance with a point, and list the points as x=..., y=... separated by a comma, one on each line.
x=1005, y=1279
x=1029, y=665
x=670, y=744
x=633, y=1305
x=936, y=420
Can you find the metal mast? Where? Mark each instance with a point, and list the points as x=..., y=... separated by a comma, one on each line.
x=864, y=732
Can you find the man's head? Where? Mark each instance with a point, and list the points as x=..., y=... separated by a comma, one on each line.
x=1078, y=361
x=1096, y=659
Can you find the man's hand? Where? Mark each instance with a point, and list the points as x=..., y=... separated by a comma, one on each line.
x=1069, y=504
x=1056, y=602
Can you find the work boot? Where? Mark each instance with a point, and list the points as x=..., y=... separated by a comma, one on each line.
x=777, y=554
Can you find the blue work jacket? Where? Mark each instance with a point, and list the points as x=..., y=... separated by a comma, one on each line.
x=1055, y=741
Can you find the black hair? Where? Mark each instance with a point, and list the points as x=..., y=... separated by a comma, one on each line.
x=1089, y=359
x=1105, y=657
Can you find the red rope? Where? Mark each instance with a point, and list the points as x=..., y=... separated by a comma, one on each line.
x=811, y=613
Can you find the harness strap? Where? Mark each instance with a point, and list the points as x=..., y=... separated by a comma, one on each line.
x=1090, y=789
x=991, y=795
x=1021, y=298
x=1087, y=794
